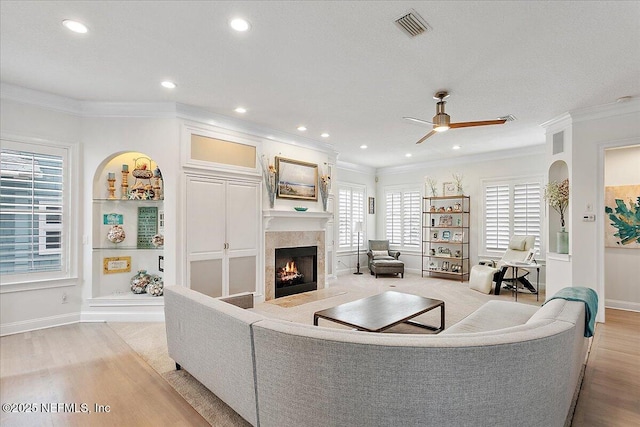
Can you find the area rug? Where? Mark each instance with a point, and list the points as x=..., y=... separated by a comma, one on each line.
x=306, y=297
x=149, y=339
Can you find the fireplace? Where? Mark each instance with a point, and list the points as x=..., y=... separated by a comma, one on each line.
x=296, y=270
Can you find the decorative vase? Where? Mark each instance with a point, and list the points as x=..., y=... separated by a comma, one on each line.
x=140, y=281
x=272, y=199
x=324, y=203
x=116, y=234
x=562, y=242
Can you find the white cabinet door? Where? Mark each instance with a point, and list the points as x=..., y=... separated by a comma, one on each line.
x=222, y=235
x=205, y=235
x=243, y=228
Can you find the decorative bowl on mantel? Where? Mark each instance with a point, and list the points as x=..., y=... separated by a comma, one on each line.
x=300, y=208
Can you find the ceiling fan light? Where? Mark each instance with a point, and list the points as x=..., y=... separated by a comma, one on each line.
x=441, y=122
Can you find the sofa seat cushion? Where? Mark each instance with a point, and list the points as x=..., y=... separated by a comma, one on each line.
x=492, y=316
x=391, y=262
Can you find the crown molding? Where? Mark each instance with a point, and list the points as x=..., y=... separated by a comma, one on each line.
x=199, y=115
x=45, y=100
x=606, y=110
x=457, y=161
x=594, y=113
x=160, y=110
x=353, y=167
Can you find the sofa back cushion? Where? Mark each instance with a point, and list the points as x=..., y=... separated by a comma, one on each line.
x=316, y=376
x=211, y=339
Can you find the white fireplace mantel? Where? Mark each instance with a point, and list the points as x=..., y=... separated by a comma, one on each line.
x=279, y=220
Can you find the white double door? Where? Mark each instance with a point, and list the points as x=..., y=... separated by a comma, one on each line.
x=222, y=235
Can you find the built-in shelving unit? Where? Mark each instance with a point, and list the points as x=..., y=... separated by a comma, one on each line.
x=133, y=200
x=445, y=237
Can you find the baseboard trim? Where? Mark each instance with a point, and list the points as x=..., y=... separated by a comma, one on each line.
x=122, y=316
x=622, y=305
x=40, y=323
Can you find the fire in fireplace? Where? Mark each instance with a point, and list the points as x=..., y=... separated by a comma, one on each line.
x=296, y=270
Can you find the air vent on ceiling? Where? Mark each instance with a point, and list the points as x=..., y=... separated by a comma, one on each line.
x=412, y=23
x=508, y=117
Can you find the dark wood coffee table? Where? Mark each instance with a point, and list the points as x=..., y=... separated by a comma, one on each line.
x=382, y=311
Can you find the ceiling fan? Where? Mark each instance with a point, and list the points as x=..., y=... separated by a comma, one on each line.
x=442, y=122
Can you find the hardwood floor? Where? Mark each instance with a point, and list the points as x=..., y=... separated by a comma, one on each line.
x=610, y=393
x=89, y=363
x=85, y=363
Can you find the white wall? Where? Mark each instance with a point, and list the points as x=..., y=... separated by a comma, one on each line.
x=622, y=266
x=590, y=138
x=347, y=173
x=103, y=138
x=33, y=309
x=516, y=163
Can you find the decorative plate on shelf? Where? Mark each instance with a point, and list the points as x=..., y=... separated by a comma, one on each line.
x=300, y=208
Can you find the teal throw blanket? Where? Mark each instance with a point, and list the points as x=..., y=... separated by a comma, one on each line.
x=590, y=299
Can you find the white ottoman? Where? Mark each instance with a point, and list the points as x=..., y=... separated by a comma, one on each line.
x=481, y=278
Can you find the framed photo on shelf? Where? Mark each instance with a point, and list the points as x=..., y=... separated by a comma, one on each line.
x=446, y=221
x=111, y=265
x=457, y=236
x=449, y=189
x=446, y=235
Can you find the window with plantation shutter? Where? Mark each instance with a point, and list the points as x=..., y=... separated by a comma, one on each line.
x=33, y=212
x=526, y=210
x=393, y=217
x=403, y=215
x=496, y=230
x=512, y=207
x=350, y=211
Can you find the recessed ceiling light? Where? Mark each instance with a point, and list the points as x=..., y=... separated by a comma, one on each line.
x=168, y=84
x=240, y=110
x=363, y=146
x=324, y=135
x=240, y=24
x=75, y=26
x=408, y=155
x=456, y=147
x=302, y=128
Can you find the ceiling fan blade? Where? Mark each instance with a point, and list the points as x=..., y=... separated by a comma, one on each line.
x=413, y=119
x=472, y=124
x=426, y=136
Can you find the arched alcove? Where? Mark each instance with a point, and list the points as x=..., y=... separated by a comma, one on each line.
x=127, y=192
x=558, y=172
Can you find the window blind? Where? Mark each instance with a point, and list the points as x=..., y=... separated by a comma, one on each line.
x=31, y=212
x=512, y=208
x=526, y=210
x=403, y=218
x=497, y=231
x=350, y=211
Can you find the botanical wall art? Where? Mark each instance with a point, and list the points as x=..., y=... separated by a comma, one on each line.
x=622, y=221
x=297, y=180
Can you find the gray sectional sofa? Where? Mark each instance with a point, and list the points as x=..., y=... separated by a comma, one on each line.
x=505, y=364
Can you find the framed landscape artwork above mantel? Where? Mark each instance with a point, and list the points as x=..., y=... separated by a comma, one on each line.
x=296, y=180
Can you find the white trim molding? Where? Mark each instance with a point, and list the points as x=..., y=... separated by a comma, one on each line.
x=40, y=323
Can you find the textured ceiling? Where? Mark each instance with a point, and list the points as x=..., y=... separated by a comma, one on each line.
x=340, y=67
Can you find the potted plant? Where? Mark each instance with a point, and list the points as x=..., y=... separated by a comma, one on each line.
x=557, y=195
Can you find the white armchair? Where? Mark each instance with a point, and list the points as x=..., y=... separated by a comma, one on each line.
x=488, y=271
